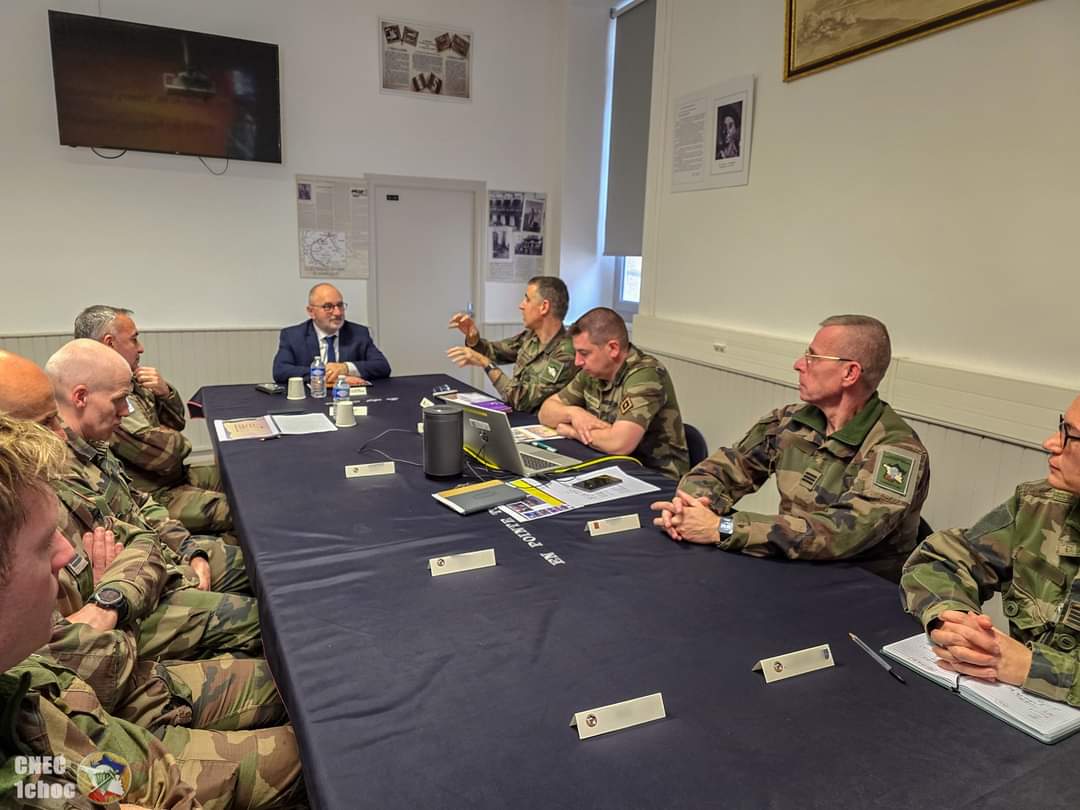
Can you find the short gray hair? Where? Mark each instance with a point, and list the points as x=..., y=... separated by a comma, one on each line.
x=93, y=322
x=867, y=342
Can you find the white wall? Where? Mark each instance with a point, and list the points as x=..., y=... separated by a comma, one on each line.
x=186, y=249
x=935, y=185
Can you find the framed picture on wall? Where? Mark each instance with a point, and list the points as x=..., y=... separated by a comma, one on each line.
x=820, y=34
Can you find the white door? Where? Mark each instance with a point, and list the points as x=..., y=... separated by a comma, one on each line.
x=424, y=243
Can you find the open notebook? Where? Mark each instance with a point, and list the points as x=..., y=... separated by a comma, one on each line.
x=1046, y=720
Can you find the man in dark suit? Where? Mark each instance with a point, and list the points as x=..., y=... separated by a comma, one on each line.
x=345, y=347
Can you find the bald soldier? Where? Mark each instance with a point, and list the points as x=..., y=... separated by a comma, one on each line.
x=542, y=353
x=1028, y=550
x=149, y=441
x=852, y=474
x=162, y=592
x=345, y=347
x=170, y=735
x=622, y=401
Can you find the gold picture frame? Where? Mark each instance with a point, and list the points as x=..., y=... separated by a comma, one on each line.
x=820, y=34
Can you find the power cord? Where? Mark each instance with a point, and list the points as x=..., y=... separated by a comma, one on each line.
x=108, y=157
x=216, y=174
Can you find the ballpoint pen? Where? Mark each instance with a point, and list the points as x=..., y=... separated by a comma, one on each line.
x=881, y=661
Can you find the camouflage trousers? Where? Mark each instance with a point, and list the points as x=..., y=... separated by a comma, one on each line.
x=199, y=502
x=190, y=624
x=224, y=722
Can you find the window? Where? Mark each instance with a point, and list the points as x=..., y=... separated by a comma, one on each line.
x=627, y=283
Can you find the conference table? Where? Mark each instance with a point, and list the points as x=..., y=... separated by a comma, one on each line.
x=413, y=691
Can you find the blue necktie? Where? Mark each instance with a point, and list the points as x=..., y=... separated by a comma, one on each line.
x=331, y=355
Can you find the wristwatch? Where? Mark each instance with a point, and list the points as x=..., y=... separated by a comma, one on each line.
x=111, y=599
x=490, y=367
x=726, y=527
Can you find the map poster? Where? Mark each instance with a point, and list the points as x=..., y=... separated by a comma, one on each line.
x=333, y=231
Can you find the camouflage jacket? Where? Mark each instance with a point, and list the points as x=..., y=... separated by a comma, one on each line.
x=1029, y=550
x=642, y=393
x=46, y=709
x=95, y=490
x=539, y=371
x=855, y=494
x=149, y=441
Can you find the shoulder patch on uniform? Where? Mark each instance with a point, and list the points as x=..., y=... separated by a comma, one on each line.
x=553, y=370
x=895, y=472
x=626, y=405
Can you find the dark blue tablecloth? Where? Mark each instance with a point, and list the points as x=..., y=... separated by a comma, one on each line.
x=409, y=691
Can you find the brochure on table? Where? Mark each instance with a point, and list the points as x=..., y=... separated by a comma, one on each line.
x=544, y=499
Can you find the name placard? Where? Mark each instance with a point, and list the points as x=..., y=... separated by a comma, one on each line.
x=361, y=470
x=617, y=716
x=426, y=403
x=795, y=663
x=419, y=427
x=357, y=390
x=623, y=523
x=456, y=563
x=358, y=410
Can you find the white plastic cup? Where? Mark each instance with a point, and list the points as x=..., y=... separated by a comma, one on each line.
x=343, y=413
x=296, y=388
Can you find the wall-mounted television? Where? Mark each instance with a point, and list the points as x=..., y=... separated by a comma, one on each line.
x=125, y=85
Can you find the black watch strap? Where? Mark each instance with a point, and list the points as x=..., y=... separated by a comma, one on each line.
x=111, y=599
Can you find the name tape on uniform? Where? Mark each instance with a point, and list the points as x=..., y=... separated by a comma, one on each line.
x=617, y=716
x=361, y=470
x=796, y=663
x=456, y=563
x=623, y=523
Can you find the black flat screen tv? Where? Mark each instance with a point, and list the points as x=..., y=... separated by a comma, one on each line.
x=125, y=85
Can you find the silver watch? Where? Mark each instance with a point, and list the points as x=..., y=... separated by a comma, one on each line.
x=727, y=526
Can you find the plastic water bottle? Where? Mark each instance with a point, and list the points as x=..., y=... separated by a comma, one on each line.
x=318, y=378
x=341, y=388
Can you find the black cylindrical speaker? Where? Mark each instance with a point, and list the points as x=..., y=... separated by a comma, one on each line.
x=443, y=435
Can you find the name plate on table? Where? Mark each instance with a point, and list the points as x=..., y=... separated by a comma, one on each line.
x=357, y=390
x=358, y=410
x=378, y=468
x=617, y=716
x=456, y=563
x=623, y=523
x=426, y=403
x=795, y=663
x=419, y=427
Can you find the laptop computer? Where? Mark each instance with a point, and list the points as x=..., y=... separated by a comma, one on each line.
x=488, y=434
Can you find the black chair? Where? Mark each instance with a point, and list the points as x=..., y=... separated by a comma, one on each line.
x=695, y=443
x=923, y=531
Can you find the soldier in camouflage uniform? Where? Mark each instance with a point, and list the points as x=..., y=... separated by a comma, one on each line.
x=149, y=441
x=622, y=402
x=852, y=474
x=84, y=691
x=542, y=353
x=1029, y=550
x=161, y=592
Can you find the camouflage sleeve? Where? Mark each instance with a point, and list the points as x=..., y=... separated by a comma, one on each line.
x=857, y=520
x=643, y=397
x=528, y=391
x=63, y=714
x=103, y=660
x=732, y=472
x=138, y=571
x=959, y=569
x=501, y=351
x=156, y=449
x=574, y=392
x=171, y=532
x=170, y=410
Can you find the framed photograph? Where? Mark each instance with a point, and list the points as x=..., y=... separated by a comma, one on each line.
x=820, y=34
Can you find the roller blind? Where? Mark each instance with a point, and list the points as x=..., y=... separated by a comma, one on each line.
x=628, y=145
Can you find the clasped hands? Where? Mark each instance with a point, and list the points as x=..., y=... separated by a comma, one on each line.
x=335, y=370
x=968, y=643
x=101, y=550
x=686, y=517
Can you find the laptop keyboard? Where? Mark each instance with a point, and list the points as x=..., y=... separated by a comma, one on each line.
x=534, y=463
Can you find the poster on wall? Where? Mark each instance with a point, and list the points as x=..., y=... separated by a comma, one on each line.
x=425, y=59
x=515, y=235
x=711, y=135
x=332, y=222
